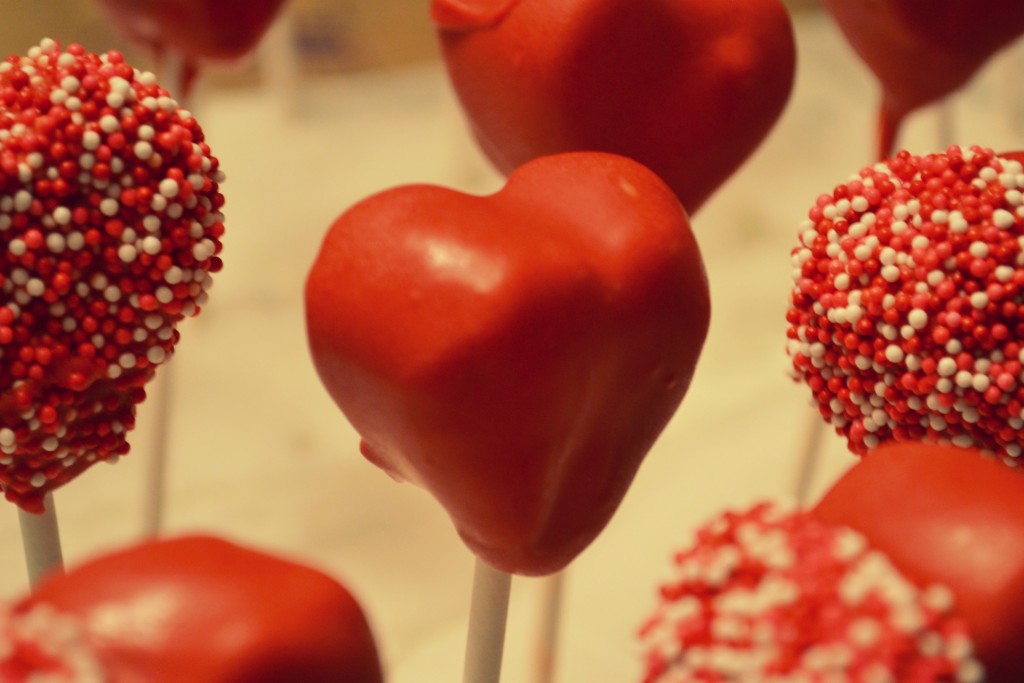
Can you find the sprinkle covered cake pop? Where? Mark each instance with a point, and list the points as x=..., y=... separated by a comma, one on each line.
x=904, y=315
x=688, y=88
x=110, y=229
x=778, y=597
x=922, y=51
x=194, y=609
x=910, y=568
x=516, y=354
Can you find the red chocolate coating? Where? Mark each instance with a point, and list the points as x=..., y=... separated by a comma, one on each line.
x=764, y=595
x=516, y=354
x=923, y=51
x=216, y=29
x=688, y=88
x=202, y=610
x=948, y=515
x=905, y=317
x=110, y=227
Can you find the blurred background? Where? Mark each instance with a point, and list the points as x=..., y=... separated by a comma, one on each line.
x=345, y=98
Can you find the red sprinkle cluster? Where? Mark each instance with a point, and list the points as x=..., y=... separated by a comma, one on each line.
x=41, y=644
x=906, y=310
x=110, y=227
x=779, y=597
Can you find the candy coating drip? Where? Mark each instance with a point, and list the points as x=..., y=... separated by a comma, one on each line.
x=905, y=308
x=110, y=227
x=779, y=597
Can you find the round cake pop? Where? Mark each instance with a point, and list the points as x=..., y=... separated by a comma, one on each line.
x=922, y=51
x=905, y=317
x=194, y=609
x=778, y=597
x=688, y=88
x=948, y=515
x=517, y=354
x=110, y=229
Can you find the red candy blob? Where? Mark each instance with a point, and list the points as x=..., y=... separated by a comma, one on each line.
x=923, y=51
x=905, y=318
x=516, y=354
x=194, y=609
x=110, y=227
x=952, y=516
x=766, y=595
x=686, y=87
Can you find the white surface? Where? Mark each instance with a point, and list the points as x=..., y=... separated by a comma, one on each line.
x=259, y=454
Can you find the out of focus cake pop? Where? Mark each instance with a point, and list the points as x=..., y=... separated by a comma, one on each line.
x=922, y=51
x=688, y=88
x=910, y=568
x=110, y=228
x=194, y=609
x=778, y=597
x=904, y=314
x=193, y=30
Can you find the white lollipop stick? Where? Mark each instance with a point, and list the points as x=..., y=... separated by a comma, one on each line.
x=156, y=472
x=41, y=541
x=809, y=454
x=488, y=612
x=544, y=656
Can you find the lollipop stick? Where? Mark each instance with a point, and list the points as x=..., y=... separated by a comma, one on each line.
x=41, y=541
x=946, y=127
x=156, y=474
x=488, y=612
x=809, y=454
x=552, y=590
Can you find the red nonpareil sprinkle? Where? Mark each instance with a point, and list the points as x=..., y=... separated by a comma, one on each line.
x=110, y=225
x=905, y=314
x=776, y=597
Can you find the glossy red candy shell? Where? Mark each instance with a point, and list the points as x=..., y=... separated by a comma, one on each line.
x=688, y=88
x=518, y=354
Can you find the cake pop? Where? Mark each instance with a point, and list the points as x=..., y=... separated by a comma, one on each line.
x=903, y=316
x=194, y=29
x=778, y=596
x=195, y=609
x=110, y=230
x=922, y=51
x=517, y=354
x=688, y=88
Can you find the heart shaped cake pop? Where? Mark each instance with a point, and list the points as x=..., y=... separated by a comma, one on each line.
x=952, y=516
x=214, y=29
x=905, y=316
x=686, y=87
x=194, y=609
x=516, y=354
x=110, y=227
x=922, y=51
x=769, y=595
